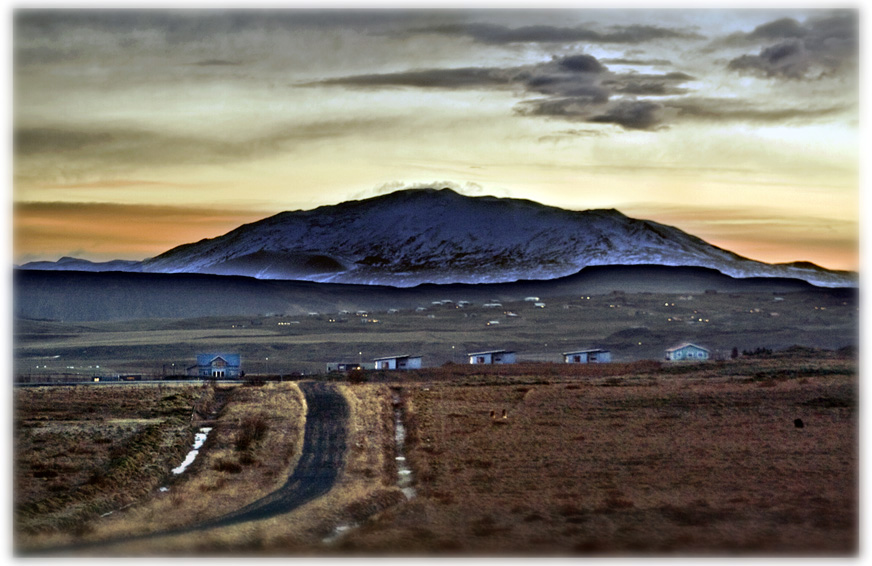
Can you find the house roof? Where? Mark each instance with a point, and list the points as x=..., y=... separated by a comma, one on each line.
x=394, y=358
x=685, y=345
x=206, y=359
x=491, y=352
x=592, y=351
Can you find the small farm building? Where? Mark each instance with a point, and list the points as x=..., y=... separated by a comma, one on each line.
x=687, y=352
x=343, y=366
x=216, y=365
x=492, y=357
x=587, y=357
x=398, y=362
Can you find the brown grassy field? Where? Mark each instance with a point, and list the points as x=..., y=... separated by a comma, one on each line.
x=255, y=439
x=645, y=458
x=58, y=501
x=85, y=451
x=691, y=459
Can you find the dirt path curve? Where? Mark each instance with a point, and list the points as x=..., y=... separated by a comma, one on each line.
x=319, y=464
x=321, y=461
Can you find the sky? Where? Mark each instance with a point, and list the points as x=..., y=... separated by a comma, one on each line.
x=135, y=131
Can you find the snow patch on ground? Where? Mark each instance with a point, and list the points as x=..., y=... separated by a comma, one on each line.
x=199, y=439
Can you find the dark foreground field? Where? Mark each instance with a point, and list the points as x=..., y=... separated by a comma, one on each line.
x=626, y=459
x=703, y=460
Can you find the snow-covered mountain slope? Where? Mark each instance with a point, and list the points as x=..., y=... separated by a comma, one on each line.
x=439, y=236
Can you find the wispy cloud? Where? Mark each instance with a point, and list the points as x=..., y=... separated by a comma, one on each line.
x=503, y=35
x=217, y=63
x=115, y=150
x=469, y=77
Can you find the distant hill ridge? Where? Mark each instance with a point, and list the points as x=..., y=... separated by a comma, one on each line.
x=417, y=236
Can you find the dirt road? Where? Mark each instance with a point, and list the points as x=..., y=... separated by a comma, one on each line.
x=320, y=463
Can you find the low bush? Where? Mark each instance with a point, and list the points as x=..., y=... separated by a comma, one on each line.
x=252, y=429
x=228, y=466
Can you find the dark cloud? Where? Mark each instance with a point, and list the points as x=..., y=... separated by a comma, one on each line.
x=732, y=110
x=821, y=47
x=581, y=64
x=502, y=35
x=470, y=77
x=779, y=29
x=632, y=115
x=789, y=60
x=649, y=84
x=576, y=87
x=628, y=114
x=649, y=88
x=179, y=26
x=638, y=62
x=217, y=63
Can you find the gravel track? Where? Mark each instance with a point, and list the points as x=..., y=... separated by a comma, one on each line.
x=320, y=463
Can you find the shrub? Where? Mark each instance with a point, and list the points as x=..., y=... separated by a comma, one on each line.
x=252, y=429
x=356, y=376
x=228, y=466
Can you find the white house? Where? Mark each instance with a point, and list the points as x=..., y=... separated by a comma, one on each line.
x=398, y=362
x=588, y=357
x=492, y=357
x=687, y=351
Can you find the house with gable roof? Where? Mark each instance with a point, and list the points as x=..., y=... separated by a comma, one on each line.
x=217, y=365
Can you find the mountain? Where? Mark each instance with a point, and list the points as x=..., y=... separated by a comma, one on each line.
x=76, y=264
x=418, y=236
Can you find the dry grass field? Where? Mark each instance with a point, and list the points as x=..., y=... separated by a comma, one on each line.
x=81, y=452
x=691, y=459
x=127, y=441
x=129, y=437
x=644, y=458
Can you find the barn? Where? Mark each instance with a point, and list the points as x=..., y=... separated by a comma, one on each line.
x=687, y=351
x=595, y=356
x=217, y=365
x=398, y=362
x=492, y=357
